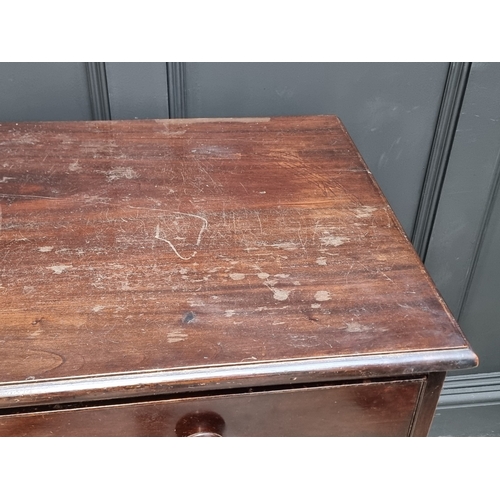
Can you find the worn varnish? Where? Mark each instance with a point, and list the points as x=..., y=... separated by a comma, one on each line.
x=373, y=409
x=157, y=256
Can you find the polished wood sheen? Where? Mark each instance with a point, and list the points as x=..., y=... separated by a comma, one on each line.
x=371, y=409
x=141, y=258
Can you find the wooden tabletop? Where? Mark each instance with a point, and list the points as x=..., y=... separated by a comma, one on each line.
x=191, y=252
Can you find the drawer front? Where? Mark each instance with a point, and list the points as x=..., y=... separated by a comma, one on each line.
x=368, y=409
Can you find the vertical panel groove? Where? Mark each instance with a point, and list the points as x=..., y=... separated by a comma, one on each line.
x=176, y=89
x=494, y=191
x=449, y=113
x=98, y=90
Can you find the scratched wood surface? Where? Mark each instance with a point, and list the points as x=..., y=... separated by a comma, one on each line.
x=150, y=245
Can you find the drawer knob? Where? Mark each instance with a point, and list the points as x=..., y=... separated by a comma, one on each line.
x=200, y=424
x=205, y=434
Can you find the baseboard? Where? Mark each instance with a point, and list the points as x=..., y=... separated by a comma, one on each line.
x=462, y=391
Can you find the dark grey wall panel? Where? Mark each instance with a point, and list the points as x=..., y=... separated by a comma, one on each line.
x=43, y=91
x=469, y=406
x=474, y=421
x=98, y=90
x=480, y=318
x=137, y=90
x=176, y=89
x=449, y=114
x=390, y=109
x=467, y=188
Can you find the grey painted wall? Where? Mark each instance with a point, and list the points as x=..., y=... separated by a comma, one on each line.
x=478, y=421
x=480, y=317
x=464, y=251
x=137, y=90
x=390, y=109
x=43, y=91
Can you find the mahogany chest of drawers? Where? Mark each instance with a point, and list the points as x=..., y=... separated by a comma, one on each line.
x=235, y=277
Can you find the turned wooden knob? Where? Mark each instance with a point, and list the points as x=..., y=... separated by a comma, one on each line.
x=205, y=434
x=200, y=424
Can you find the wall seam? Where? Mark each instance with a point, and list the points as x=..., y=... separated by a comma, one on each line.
x=98, y=90
x=442, y=143
x=176, y=92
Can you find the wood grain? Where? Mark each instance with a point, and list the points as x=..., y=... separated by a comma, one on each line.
x=370, y=409
x=428, y=402
x=161, y=245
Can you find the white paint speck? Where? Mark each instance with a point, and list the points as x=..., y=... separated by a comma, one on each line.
x=363, y=212
x=334, y=241
x=288, y=245
x=263, y=276
x=229, y=313
x=74, y=167
x=321, y=261
x=356, y=327
x=59, y=269
x=281, y=275
x=322, y=295
x=97, y=309
x=270, y=282
x=237, y=276
x=316, y=306
x=45, y=249
x=121, y=173
x=281, y=294
x=195, y=302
